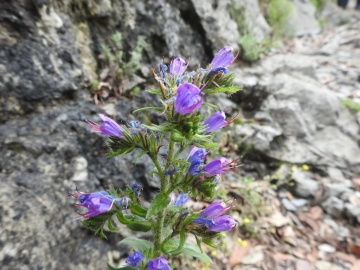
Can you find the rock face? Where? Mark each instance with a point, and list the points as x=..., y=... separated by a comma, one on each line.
x=297, y=119
x=48, y=55
x=302, y=20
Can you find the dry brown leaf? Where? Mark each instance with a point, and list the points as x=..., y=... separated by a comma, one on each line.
x=355, y=249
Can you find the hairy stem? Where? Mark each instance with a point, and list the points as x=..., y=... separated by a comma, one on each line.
x=164, y=186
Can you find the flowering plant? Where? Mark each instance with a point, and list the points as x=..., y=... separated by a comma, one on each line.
x=182, y=95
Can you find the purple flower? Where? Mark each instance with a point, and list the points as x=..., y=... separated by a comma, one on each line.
x=159, y=263
x=108, y=127
x=223, y=224
x=197, y=154
x=136, y=188
x=188, y=99
x=223, y=58
x=216, y=71
x=181, y=199
x=215, y=209
x=135, y=258
x=196, y=158
x=205, y=222
x=96, y=203
x=219, y=165
x=215, y=122
x=177, y=66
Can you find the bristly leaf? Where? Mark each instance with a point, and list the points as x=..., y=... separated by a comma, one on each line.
x=119, y=146
x=155, y=92
x=161, y=128
x=140, y=244
x=159, y=109
x=227, y=90
x=194, y=251
x=97, y=223
x=159, y=203
x=139, y=156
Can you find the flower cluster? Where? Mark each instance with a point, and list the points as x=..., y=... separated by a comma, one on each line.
x=212, y=218
x=182, y=95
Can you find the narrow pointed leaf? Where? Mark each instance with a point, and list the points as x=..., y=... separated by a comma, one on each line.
x=159, y=203
x=136, y=243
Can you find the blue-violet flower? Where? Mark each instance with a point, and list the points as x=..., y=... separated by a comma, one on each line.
x=223, y=58
x=159, y=263
x=108, y=127
x=96, y=203
x=205, y=222
x=215, y=209
x=136, y=188
x=219, y=165
x=188, y=99
x=196, y=158
x=181, y=199
x=135, y=258
x=223, y=224
x=216, y=121
x=177, y=66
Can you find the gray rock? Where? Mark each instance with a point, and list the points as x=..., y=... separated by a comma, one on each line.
x=305, y=186
x=251, y=16
x=288, y=205
x=335, y=175
x=333, y=206
x=352, y=211
x=302, y=20
x=326, y=248
x=310, y=125
x=299, y=203
x=219, y=32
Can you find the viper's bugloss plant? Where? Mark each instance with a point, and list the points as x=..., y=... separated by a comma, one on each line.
x=186, y=129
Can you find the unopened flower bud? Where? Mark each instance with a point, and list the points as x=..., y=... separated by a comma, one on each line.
x=159, y=263
x=177, y=66
x=215, y=121
x=135, y=258
x=223, y=58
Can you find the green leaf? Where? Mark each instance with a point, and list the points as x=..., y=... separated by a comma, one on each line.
x=138, y=210
x=140, y=244
x=119, y=146
x=159, y=109
x=161, y=128
x=155, y=92
x=194, y=251
x=159, y=203
x=176, y=245
x=111, y=225
x=227, y=90
x=139, y=225
x=139, y=156
x=121, y=268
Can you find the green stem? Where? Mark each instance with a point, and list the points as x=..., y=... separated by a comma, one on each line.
x=158, y=234
x=164, y=183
